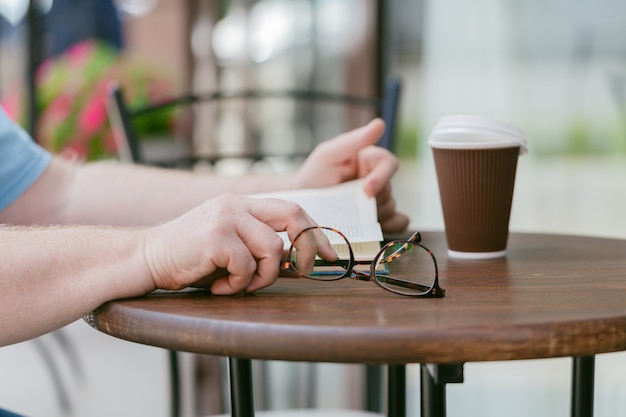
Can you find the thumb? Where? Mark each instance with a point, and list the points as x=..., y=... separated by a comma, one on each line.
x=362, y=137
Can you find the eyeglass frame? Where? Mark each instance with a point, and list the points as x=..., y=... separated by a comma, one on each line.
x=434, y=291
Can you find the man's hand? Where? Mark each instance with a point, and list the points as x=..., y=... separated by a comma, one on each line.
x=354, y=155
x=228, y=243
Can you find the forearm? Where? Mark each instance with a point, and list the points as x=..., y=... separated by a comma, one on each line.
x=53, y=276
x=118, y=194
x=130, y=194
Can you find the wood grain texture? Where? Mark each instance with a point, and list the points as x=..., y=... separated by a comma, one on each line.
x=551, y=296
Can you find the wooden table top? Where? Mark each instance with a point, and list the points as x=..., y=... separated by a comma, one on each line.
x=551, y=296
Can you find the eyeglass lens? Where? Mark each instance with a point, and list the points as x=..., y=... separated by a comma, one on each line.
x=401, y=267
x=309, y=259
x=406, y=268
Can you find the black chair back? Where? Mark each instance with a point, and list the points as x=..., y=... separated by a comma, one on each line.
x=129, y=145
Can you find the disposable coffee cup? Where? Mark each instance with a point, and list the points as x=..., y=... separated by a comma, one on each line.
x=476, y=162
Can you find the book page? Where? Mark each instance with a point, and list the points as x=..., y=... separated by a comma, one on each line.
x=344, y=207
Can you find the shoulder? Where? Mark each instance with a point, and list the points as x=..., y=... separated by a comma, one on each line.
x=22, y=161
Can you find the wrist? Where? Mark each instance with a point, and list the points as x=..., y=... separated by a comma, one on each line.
x=129, y=274
x=291, y=182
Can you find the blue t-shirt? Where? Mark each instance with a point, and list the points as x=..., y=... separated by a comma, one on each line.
x=5, y=413
x=22, y=161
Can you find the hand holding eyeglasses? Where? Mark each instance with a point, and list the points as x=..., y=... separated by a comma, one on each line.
x=228, y=243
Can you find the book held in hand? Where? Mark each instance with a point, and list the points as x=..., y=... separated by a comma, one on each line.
x=344, y=207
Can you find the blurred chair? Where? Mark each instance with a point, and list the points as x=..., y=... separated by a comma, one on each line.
x=131, y=149
x=66, y=346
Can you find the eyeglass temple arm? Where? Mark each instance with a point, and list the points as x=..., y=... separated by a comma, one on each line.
x=392, y=256
x=402, y=283
x=366, y=276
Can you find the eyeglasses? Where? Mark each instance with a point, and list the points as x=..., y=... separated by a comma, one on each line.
x=403, y=267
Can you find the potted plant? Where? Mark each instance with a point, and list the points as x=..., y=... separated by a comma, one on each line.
x=72, y=95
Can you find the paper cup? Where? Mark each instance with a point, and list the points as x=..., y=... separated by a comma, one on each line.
x=476, y=163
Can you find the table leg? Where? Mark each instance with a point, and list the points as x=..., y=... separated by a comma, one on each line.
x=583, y=369
x=175, y=383
x=433, y=387
x=373, y=388
x=396, y=391
x=241, y=394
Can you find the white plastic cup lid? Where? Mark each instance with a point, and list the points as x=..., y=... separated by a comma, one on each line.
x=475, y=132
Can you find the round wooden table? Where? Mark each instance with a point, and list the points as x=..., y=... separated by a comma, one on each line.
x=551, y=296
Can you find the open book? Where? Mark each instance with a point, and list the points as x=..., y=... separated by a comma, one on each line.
x=344, y=207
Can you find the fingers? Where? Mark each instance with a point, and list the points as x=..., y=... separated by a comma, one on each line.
x=385, y=204
x=390, y=220
x=395, y=224
x=346, y=144
x=257, y=234
x=310, y=244
x=377, y=166
x=266, y=248
x=241, y=267
x=281, y=215
x=338, y=160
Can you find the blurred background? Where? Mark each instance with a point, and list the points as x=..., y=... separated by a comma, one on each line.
x=555, y=68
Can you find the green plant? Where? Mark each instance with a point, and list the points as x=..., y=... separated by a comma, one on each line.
x=72, y=95
x=407, y=141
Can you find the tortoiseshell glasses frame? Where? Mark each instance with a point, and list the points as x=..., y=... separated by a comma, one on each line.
x=404, y=267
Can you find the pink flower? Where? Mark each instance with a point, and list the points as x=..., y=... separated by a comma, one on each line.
x=80, y=52
x=60, y=108
x=72, y=99
x=93, y=116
